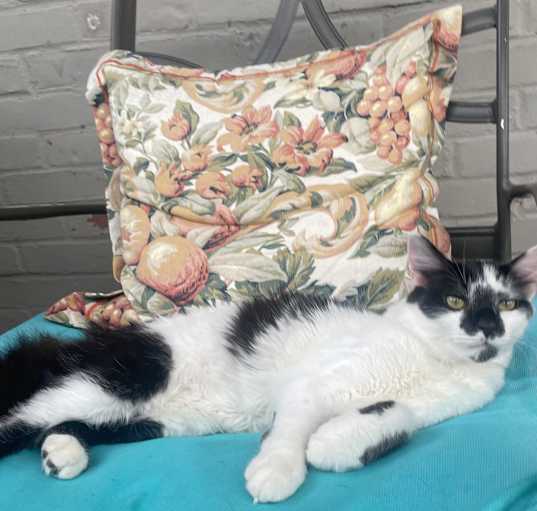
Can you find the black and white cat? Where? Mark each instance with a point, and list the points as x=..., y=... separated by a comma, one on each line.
x=330, y=385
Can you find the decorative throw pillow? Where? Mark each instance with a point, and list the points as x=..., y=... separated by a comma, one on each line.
x=303, y=175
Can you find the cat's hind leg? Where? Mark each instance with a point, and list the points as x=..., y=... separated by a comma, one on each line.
x=360, y=436
x=64, y=448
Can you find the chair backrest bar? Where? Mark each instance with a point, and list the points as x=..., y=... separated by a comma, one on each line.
x=123, y=34
x=503, y=183
x=281, y=27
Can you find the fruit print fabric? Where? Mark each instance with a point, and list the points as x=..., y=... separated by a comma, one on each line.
x=304, y=175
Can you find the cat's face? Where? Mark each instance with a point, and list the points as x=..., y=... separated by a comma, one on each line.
x=480, y=309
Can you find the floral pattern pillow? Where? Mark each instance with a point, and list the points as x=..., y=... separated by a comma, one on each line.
x=304, y=175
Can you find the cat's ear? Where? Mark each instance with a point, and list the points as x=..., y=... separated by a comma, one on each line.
x=423, y=259
x=524, y=270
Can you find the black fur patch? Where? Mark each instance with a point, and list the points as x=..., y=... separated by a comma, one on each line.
x=114, y=433
x=131, y=363
x=453, y=280
x=386, y=445
x=488, y=353
x=257, y=316
x=378, y=408
x=484, y=318
x=28, y=367
x=53, y=468
x=519, y=285
x=15, y=437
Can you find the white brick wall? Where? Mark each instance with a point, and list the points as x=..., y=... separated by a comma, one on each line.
x=48, y=148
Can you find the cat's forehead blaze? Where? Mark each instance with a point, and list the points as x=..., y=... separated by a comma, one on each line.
x=488, y=281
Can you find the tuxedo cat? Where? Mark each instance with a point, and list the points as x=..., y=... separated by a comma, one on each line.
x=328, y=384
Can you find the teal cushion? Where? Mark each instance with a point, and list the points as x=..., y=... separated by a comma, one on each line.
x=484, y=460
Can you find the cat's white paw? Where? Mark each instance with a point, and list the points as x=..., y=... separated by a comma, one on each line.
x=275, y=474
x=63, y=456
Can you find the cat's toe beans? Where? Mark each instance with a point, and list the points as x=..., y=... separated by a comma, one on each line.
x=272, y=477
x=63, y=456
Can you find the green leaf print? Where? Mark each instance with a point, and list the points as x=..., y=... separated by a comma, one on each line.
x=298, y=266
x=383, y=286
x=366, y=182
x=292, y=103
x=164, y=151
x=370, y=238
x=246, y=266
x=290, y=119
x=206, y=133
x=222, y=160
x=338, y=165
x=186, y=110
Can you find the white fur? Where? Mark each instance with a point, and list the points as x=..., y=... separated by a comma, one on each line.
x=490, y=280
x=77, y=398
x=307, y=373
x=63, y=456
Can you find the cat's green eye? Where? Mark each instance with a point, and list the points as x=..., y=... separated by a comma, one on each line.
x=507, y=305
x=455, y=303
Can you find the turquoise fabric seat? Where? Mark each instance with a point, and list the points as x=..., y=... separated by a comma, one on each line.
x=486, y=460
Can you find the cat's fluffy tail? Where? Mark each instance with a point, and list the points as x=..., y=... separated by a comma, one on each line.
x=101, y=379
x=32, y=365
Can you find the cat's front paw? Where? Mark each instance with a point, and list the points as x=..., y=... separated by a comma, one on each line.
x=63, y=456
x=275, y=474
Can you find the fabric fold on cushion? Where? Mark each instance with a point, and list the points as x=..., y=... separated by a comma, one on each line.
x=304, y=175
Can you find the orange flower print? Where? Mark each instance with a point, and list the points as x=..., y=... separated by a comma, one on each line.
x=245, y=176
x=212, y=185
x=302, y=150
x=169, y=179
x=196, y=159
x=252, y=127
x=176, y=127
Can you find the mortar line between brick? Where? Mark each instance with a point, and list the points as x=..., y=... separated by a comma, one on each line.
x=60, y=242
